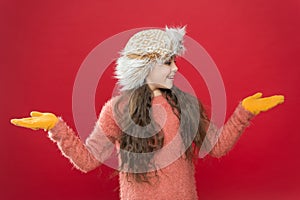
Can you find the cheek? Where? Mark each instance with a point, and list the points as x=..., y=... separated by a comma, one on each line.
x=164, y=72
x=159, y=73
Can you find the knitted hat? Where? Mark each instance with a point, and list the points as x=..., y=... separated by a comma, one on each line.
x=145, y=49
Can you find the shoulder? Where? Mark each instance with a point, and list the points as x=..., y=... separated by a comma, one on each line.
x=107, y=108
x=107, y=117
x=113, y=107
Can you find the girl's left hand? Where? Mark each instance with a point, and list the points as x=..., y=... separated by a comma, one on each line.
x=255, y=104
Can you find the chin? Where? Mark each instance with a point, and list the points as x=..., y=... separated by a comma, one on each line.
x=169, y=86
x=164, y=86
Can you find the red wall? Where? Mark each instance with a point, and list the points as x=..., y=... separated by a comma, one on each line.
x=255, y=45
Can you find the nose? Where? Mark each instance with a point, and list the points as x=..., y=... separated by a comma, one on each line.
x=174, y=67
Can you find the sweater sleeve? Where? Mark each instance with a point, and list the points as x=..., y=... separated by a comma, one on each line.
x=98, y=146
x=229, y=133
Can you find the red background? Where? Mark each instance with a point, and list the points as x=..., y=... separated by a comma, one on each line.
x=255, y=45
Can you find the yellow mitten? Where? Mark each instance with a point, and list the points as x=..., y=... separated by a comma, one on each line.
x=255, y=104
x=37, y=121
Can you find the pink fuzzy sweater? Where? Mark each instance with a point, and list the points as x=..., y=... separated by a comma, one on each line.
x=176, y=181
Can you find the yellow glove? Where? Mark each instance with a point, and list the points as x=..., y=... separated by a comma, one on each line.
x=255, y=104
x=37, y=121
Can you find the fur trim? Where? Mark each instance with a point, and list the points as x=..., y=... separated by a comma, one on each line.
x=132, y=72
x=176, y=35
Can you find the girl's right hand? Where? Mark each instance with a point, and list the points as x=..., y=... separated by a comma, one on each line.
x=37, y=121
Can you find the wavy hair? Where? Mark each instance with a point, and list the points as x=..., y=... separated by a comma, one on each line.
x=140, y=134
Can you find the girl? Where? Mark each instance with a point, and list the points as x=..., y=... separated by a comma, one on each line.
x=143, y=121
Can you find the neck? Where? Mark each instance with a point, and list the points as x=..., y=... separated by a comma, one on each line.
x=156, y=92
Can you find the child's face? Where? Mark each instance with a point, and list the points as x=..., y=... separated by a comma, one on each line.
x=162, y=75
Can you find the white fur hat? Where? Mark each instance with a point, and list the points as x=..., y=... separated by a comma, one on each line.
x=145, y=49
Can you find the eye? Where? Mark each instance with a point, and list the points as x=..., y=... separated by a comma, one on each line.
x=168, y=62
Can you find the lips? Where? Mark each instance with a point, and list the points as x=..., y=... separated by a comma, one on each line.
x=171, y=77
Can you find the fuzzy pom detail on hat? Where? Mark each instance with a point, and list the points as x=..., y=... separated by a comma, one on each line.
x=145, y=49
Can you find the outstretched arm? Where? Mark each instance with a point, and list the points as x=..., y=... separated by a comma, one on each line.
x=85, y=157
x=72, y=147
x=229, y=133
x=240, y=119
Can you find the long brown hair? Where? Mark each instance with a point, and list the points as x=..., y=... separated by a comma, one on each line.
x=135, y=140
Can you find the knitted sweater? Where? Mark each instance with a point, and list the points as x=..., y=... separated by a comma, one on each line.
x=176, y=180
